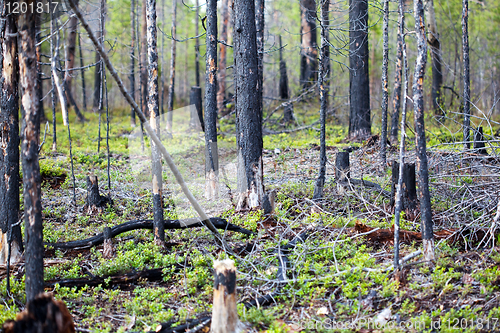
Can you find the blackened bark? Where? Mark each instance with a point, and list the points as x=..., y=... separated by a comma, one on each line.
x=197, y=44
x=195, y=99
x=323, y=72
x=211, y=152
x=98, y=87
x=325, y=17
x=309, y=44
x=132, y=59
x=143, y=58
x=31, y=169
x=39, y=69
x=154, y=112
x=9, y=141
x=397, y=85
x=248, y=106
x=171, y=87
x=342, y=167
x=108, y=249
x=385, y=91
x=479, y=142
x=409, y=189
x=224, y=311
x=465, y=45
x=418, y=104
x=94, y=198
x=82, y=73
x=359, y=87
x=221, y=92
x=259, y=26
x=288, y=115
x=70, y=52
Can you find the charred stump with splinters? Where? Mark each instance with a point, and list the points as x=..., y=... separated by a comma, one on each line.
x=479, y=146
x=94, y=199
x=342, y=173
x=409, y=194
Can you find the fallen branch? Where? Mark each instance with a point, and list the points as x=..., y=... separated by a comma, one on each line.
x=218, y=222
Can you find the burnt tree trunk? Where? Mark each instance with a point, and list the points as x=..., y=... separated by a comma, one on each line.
x=82, y=73
x=342, y=166
x=418, y=104
x=31, y=168
x=70, y=53
x=359, y=83
x=224, y=311
x=409, y=189
x=211, y=150
x=143, y=59
x=466, y=102
x=259, y=27
x=385, y=91
x=196, y=121
x=94, y=198
x=288, y=115
x=248, y=106
x=221, y=92
x=39, y=69
x=435, y=44
x=479, y=142
x=197, y=45
x=309, y=44
x=171, y=87
x=9, y=144
x=154, y=115
x=323, y=72
x=397, y=84
x=98, y=87
x=132, y=59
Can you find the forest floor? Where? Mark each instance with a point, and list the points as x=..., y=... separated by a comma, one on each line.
x=339, y=272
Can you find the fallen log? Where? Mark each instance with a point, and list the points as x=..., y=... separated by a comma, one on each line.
x=218, y=222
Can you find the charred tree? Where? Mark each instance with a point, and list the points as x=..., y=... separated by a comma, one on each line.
x=143, y=59
x=385, y=91
x=221, y=92
x=98, y=87
x=224, y=311
x=309, y=44
x=288, y=115
x=95, y=200
x=259, y=26
x=70, y=53
x=342, y=167
x=479, y=142
x=435, y=44
x=248, y=106
x=197, y=45
x=323, y=72
x=31, y=168
x=418, y=104
x=82, y=73
x=154, y=115
x=39, y=69
x=171, y=87
x=196, y=121
x=397, y=83
x=9, y=144
x=132, y=59
x=465, y=45
x=359, y=83
x=211, y=152
x=409, y=188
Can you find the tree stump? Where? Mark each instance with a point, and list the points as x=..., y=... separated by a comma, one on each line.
x=342, y=172
x=108, y=250
x=95, y=201
x=479, y=146
x=224, y=312
x=409, y=194
x=196, y=119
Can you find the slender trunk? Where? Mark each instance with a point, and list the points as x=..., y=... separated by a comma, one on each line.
x=70, y=52
x=171, y=88
x=465, y=44
x=132, y=59
x=197, y=44
x=82, y=73
x=397, y=85
x=324, y=54
x=99, y=66
x=248, y=106
x=325, y=17
x=162, y=65
x=154, y=112
x=288, y=115
x=309, y=45
x=385, y=91
x=259, y=26
x=143, y=61
x=39, y=69
x=211, y=153
x=359, y=88
x=221, y=93
x=418, y=104
x=31, y=168
x=9, y=148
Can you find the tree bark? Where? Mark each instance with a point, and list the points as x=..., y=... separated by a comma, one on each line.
x=342, y=166
x=132, y=59
x=408, y=190
x=31, y=169
x=385, y=91
x=197, y=45
x=465, y=45
x=82, y=73
x=39, y=69
x=479, y=146
x=248, y=106
x=143, y=58
x=259, y=27
x=224, y=312
x=98, y=87
x=397, y=84
x=323, y=72
x=418, y=104
x=435, y=43
x=70, y=52
x=154, y=114
x=9, y=145
x=221, y=92
x=359, y=84
x=309, y=45
x=211, y=150
x=288, y=115
x=196, y=121
x=171, y=87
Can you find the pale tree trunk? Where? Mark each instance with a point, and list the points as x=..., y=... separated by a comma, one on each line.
x=248, y=105
x=154, y=115
x=418, y=104
x=143, y=59
x=211, y=153
x=359, y=83
x=385, y=91
x=9, y=145
x=309, y=44
x=397, y=84
x=132, y=59
x=259, y=26
x=465, y=44
x=98, y=85
x=323, y=73
x=435, y=43
x=31, y=168
x=197, y=45
x=171, y=87
x=221, y=93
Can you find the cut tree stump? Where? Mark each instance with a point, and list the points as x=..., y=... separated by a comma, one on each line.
x=108, y=251
x=95, y=201
x=479, y=146
x=409, y=195
x=342, y=172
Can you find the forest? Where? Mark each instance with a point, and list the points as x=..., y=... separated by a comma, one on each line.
x=249, y=166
